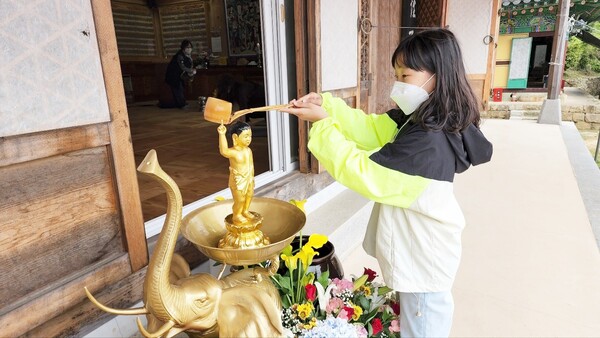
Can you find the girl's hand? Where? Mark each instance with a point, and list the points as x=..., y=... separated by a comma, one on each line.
x=222, y=129
x=313, y=97
x=307, y=111
x=307, y=108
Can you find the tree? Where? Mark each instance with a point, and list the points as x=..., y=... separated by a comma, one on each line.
x=581, y=56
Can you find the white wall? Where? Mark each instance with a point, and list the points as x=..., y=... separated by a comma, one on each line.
x=339, y=44
x=50, y=72
x=470, y=21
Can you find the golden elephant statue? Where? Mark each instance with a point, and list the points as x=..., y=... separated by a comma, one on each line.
x=242, y=304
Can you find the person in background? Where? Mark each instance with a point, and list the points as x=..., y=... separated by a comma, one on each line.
x=179, y=71
x=405, y=160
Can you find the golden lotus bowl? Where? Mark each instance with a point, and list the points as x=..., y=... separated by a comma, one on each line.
x=205, y=226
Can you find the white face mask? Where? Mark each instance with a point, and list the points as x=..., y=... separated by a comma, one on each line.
x=409, y=97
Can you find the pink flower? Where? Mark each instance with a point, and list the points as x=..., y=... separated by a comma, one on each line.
x=311, y=292
x=361, y=331
x=334, y=305
x=349, y=311
x=376, y=325
x=395, y=326
x=342, y=285
x=372, y=274
x=344, y=313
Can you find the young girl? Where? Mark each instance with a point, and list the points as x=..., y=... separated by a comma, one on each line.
x=405, y=161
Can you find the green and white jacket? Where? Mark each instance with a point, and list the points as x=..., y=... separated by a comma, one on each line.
x=416, y=224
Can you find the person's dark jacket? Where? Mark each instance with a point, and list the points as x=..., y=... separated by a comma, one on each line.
x=179, y=64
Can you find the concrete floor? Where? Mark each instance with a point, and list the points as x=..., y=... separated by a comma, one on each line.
x=531, y=265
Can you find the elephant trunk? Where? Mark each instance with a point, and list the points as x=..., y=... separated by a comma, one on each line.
x=158, y=291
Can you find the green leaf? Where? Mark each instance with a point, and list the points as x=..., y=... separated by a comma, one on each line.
x=324, y=279
x=364, y=303
x=286, y=285
x=384, y=289
x=307, y=279
x=283, y=283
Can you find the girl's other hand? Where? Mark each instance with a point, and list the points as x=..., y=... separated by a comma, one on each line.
x=313, y=97
x=306, y=110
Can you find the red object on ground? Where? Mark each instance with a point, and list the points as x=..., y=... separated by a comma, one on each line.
x=497, y=94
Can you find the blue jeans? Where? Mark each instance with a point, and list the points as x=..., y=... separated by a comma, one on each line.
x=426, y=314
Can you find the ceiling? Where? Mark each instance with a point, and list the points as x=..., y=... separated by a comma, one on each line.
x=586, y=10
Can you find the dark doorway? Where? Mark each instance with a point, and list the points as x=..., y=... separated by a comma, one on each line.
x=541, y=50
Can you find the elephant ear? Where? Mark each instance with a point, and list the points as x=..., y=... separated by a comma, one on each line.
x=248, y=312
x=200, y=302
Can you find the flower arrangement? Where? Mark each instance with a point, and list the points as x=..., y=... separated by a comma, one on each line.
x=317, y=306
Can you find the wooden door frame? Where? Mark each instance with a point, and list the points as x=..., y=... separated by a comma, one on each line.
x=307, y=30
x=491, y=59
x=120, y=135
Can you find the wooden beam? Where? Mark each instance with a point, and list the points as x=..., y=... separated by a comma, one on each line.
x=40, y=310
x=122, y=295
x=24, y=148
x=120, y=136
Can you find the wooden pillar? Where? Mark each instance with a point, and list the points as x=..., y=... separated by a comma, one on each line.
x=559, y=46
x=551, y=111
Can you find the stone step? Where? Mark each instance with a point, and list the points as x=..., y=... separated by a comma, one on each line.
x=524, y=114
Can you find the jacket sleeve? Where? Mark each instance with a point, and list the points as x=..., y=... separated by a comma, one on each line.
x=182, y=65
x=353, y=168
x=368, y=131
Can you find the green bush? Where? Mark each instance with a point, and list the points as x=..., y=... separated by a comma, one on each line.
x=581, y=56
x=575, y=49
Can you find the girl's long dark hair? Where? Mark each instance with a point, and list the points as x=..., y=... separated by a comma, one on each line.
x=452, y=105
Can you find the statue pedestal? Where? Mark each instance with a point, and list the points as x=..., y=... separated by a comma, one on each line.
x=244, y=236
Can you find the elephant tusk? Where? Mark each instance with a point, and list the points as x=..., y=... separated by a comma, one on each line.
x=161, y=331
x=136, y=311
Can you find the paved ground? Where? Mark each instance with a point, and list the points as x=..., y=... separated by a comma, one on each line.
x=531, y=264
x=576, y=96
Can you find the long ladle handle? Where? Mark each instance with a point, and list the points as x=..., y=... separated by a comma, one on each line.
x=250, y=110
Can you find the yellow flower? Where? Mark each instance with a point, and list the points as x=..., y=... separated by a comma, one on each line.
x=306, y=255
x=366, y=290
x=304, y=310
x=357, y=312
x=316, y=240
x=312, y=323
x=299, y=204
x=291, y=262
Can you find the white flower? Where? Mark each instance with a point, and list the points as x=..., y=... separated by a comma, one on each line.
x=376, y=300
x=331, y=327
x=324, y=295
x=287, y=333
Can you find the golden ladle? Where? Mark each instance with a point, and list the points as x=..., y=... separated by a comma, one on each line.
x=220, y=111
